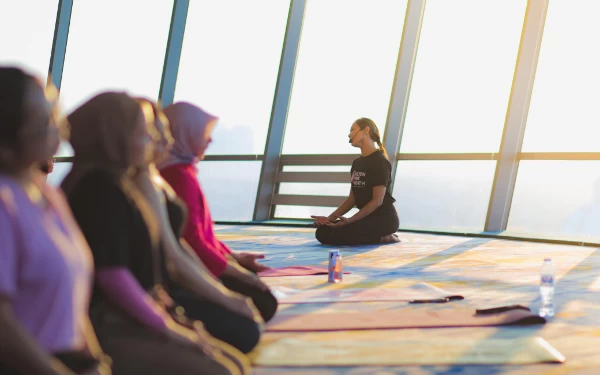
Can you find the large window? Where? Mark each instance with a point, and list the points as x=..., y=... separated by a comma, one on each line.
x=557, y=199
x=443, y=195
x=463, y=75
x=230, y=188
x=553, y=198
x=115, y=45
x=563, y=114
x=345, y=70
x=27, y=29
x=229, y=65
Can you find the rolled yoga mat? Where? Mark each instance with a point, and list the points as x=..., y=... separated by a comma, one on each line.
x=295, y=271
x=388, y=348
x=397, y=319
x=421, y=292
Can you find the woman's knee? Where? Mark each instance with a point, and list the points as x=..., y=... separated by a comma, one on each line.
x=322, y=234
x=268, y=306
x=247, y=338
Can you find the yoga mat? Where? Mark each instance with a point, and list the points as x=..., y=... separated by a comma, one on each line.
x=416, y=292
x=397, y=319
x=367, y=348
x=295, y=271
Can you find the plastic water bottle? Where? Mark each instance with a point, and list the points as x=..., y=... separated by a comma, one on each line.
x=547, y=288
x=335, y=267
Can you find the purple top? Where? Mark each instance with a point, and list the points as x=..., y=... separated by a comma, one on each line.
x=45, y=266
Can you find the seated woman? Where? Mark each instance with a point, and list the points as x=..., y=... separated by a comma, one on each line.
x=192, y=128
x=377, y=221
x=129, y=308
x=226, y=315
x=45, y=264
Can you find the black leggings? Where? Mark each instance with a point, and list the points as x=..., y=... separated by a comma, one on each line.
x=367, y=231
x=265, y=302
x=223, y=324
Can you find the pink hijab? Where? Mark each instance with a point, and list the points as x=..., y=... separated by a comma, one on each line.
x=188, y=125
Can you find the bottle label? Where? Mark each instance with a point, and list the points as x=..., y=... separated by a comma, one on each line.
x=547, y=279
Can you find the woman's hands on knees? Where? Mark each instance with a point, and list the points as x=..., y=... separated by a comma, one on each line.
x=320, y=220
x=341, y=221
x=235, y=270
x=250, y=261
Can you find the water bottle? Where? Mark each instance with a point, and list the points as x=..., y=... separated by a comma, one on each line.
x=335, y=267
x=547, y=288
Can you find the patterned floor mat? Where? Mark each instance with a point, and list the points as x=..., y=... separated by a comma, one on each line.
x=487, y=272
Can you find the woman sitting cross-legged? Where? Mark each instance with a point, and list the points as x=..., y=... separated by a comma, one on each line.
x=130, y=310
x=192, y=128
x=377, y=221
x=46, y=267
x=228, y=316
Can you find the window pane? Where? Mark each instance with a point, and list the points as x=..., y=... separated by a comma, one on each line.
x=27, y=35
x=557, y=198
x=345, y=70
x=563, y=115
x=229, y=66
x=304, y=212
x=463, y=76
x=317, y=168
x=59, y=173
x=115, y=45
x=305, y=188
x=443, y=195
x=230, y=188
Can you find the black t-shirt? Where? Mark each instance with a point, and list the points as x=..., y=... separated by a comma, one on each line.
x=114, y=227
x=368, y=172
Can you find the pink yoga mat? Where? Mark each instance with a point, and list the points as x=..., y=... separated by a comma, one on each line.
x=295, y=271
x=398, y=319
x=416, y=292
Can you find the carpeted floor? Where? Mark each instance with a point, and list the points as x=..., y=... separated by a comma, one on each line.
x=487, y=272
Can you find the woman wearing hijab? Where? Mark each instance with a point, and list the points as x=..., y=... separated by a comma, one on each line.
x=192, y=128
x=226, y=315
x=129, y=308
x=45, y=264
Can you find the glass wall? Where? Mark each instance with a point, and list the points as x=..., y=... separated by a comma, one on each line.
x=230, y=188
x=463, y=76
x=348, y=53
x=119, y=57
x=115, y=45
x=443, y=195
x=556, y=198
x=563, y=114
x=27, y=35
x=345, y=70
x=229, y=64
